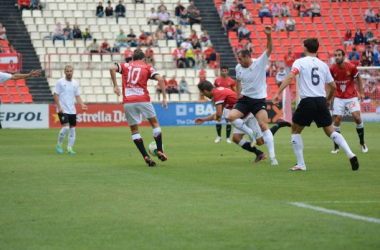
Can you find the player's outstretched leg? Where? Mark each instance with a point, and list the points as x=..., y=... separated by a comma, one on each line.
x=336, y=146
x=140, y=145
x=281, y=122
x=297, y=145
x=360, y=131
x=61, y=137
x=339, y=139
x=239, y=124
x=246, y=146
x=71, y=140
x=158, y=138
x=218, y=131
x=228, y=132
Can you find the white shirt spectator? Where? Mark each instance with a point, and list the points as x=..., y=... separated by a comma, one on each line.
x=290, y=21
x=67, y=91
x=280, y=25
x=253, y=78
x=280, y=76
x=5, y=77
x=314, y=74
x=186, y=45
x=243, y=29
x=315, y=8
x=370, y=13
x=163, y=16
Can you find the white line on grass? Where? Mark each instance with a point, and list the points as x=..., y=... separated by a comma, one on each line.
x=330, y=211
x=343, y=202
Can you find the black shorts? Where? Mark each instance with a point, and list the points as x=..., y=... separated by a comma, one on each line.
x=312, y=109
x=248, y=105
x=67, y=118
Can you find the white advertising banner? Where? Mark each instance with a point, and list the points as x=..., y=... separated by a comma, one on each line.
x=24, y=115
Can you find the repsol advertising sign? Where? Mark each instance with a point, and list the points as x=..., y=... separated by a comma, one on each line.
x=24, y=115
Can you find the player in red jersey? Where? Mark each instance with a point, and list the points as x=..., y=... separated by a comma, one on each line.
x=224, y=99
x=346, y=96
x=136, y=100
x=226, y=82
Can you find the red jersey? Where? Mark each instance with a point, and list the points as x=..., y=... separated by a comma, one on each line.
x=202, y=75
x=345, y=80
x=135, y=77
x=208, y=52
x=226, y=97
x=237, y=15
x=228, y=82
x=128, y=54
x=173, y=83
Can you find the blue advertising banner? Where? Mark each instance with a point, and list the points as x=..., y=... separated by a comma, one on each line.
x=184, y=114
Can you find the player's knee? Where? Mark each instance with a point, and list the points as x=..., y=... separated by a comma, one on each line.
x=236, y=138
x=260, y=141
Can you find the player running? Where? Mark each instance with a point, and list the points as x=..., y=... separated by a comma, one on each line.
x=251, y=83
x=346, y=96
x=66, y=90
x=313, y=76
x=136, y=100
x=224, y=99
x=226, y=82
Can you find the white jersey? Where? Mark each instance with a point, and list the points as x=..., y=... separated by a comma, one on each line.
x=280, y=76
x=253, y=78
x=5, y=77
x=314, y=74
x=67, y=91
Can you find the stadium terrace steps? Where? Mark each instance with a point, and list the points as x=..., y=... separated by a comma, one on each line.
x=18, y=37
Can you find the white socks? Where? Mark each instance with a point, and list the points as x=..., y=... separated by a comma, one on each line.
x=339, y=139
x=71, y=138
x=337, y=129
x=269, y=141
x=297, y=144
x=239, y=124
x=156, y=132
x=62, y=135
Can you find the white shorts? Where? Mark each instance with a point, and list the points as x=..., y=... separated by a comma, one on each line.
x=340, y=105
x=252, y=123
x=137, y=112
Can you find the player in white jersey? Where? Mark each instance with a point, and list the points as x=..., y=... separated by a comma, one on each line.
x=66, y=90
x=251, y=84
x=314, y=106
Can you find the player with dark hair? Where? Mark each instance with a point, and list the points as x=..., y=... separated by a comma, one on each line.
x=346, y=96
x=136, y=100
x=226, y=82
x=314, y=106
x=224, y=99
x=251, y=84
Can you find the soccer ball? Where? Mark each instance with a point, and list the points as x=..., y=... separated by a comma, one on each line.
x=153, y=148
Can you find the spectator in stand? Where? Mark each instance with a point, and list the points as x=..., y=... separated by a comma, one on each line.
x=149, y=55
x=280, y=76
x=162, y=5
x=24, y=4
x=138, y=49
x=173, y=86
x=179, y=36
x=194, y=17
x=152, y=40
x=370, y=16
x=243, y=32
x=369, y=36
x=225, y=18
x=105, y=47
x=36, y=5
x=248, y=18
x=12, y=69
x=159, y=33
x=231, y=25
x=377, y=17
x=184, y=86
x=376, y=57
x=223, y=9
x=193, y=35
x=202, y=74
x=304, y=11
x=290, y=24
x=272, y=69
x=163, y=16
x=199, y=58
x=100, y=10
x=93, y=47
x=153, y=18
x=109, y=9
x=143, y=39
x=86, y=34
x=280, y=24
x=68, y=32
x=178, y=10
x=132, y=39
x=186, y=44
x=249, y=46
x=241, y=5
x=210, y=55
x=315, y=10
x=348, y=39
x=119, y=11
x=158, y=87
x=285, y=11
x=196, y=44
x=122, y=40
x=128, y=54
x=365, y=62
x=191, y=7
x=3, y=31
x=354, y=55
x=184, y=18
x=179, y=55
x=359, y=38
x=238, y=15
x=77, y=33
x=264, y=12
x=205, y=39
x=276, y=9
x=169, y=32
x=58, y=34
x=289, y=59
x=190, y=58
x=297, y=5
x=12, y=50
x=138, y=1
x=368, y=54
x=115, y=49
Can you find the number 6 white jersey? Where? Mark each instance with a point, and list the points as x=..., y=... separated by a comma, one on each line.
x=314, y=74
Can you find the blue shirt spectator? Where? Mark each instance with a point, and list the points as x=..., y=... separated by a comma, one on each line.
x=354, y=56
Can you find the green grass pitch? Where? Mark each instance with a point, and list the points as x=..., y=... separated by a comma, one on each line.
x=206, y=196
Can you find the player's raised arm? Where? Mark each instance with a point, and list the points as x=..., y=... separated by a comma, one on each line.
x=163, y=89
x=268, y=32
x=113, y=70
x=32, y=73
x=360, y=87
x=284, y=84
x=238, y=88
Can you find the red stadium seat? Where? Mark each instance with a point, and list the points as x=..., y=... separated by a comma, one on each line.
x=27, y=98
x=16, y=99
x=20, y=83
x=10, y=83
x=232, y=35
x=3, y=91
x=273, y=88
x=323, y=34
x=5, y=99
x=13, y=90
x=24, y=90
x=271, y=80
